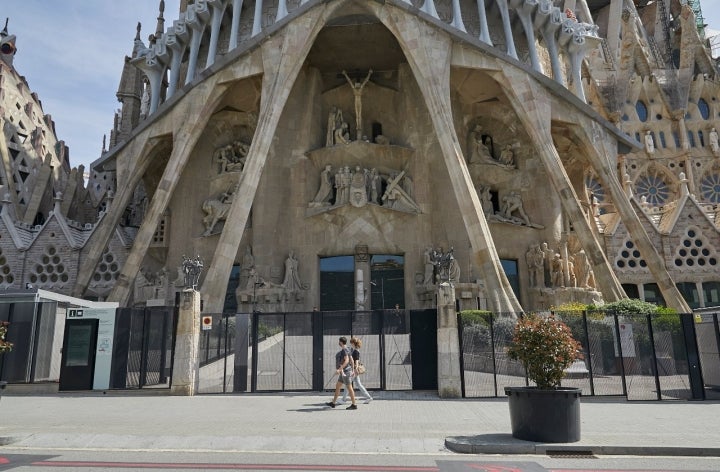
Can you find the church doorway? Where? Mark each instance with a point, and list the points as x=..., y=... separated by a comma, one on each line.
x=347, y=284
x=387, y=281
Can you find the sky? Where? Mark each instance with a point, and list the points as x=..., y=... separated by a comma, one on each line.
x=72, y=53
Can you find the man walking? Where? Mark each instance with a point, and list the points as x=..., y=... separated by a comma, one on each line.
x=345, y=371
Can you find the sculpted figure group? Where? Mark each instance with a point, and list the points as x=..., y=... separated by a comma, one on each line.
x=547, y=268
x=232, y=157
x=359, y=186
x=480, y=153
x=440, y=266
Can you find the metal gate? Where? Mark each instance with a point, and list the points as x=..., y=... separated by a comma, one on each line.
x=263, y=352
x=143, y=347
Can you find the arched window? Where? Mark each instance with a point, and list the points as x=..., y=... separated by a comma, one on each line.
x=641, y=110
x=704, y=108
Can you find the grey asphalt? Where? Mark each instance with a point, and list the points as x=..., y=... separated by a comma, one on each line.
x=395, y=422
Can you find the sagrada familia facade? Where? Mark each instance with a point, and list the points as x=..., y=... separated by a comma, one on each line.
x=529, y=152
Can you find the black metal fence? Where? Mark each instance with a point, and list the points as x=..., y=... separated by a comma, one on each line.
x=143, y=347
x=642, y=357
x=296, y=351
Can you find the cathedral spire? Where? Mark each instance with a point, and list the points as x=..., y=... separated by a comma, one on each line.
x=7, y=45
x=160, y=21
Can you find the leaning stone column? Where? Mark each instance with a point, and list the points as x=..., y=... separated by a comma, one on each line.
x=428, y=52
x=186, y=362
x=448, y=344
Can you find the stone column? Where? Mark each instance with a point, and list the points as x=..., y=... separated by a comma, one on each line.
x=186, y=361
x=202, y=101
x=448, y=344
x=282, y=56
x=362, y=278
x=533, y=107
x=602, y=155
x=428, y=52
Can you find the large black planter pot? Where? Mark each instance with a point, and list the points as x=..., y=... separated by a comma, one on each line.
x=551, y=416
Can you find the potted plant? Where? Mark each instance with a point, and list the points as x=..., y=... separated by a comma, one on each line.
x=545, y=412
x=5, y=346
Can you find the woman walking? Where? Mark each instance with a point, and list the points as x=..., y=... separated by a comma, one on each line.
x=356, y=344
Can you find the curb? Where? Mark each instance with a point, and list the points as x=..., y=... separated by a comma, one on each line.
x=505, y=444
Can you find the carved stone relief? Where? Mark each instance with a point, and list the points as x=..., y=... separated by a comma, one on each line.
x=216, y=210
x=231, y=158
x=361, y=186
x=481, y=150
x=511, y=211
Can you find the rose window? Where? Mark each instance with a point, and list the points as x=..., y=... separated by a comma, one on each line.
x=594, y=189
x=710, y=188
x=654, y=188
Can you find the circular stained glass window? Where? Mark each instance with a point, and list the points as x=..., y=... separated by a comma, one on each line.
x=710, y=188
x=654, y=188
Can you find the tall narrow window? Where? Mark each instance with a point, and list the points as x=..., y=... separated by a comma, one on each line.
x=704, y=108
x=510, y=266
x=641, y=110
x=337, y=283
x=387, y=281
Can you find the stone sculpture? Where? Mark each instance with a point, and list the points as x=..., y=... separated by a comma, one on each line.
x=192, y=268
x=535, y=259
x=396, y=197
x=429, y=263
x=512, y=203
x=357, y=89
x=444, y=264
x=583, y=270
x=361, y=186
x=291, y=280
x=507, y=156
x=485, y=193
x=480, y=153
x=232, y=157
x=216, y=210
x=325, y=192
x=649, y=143
x=547, y=261
x=714, y=144
x=557, y=271
x=337, y=128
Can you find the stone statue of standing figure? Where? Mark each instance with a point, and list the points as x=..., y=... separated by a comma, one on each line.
x=714, y=143
x=357, y=89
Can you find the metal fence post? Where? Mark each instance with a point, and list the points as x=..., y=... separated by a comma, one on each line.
x=619, y=346
x=654, y=356
x=589, y=353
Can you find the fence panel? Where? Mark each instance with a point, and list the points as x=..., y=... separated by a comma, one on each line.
x=510, y=373
x=708, y=339
x=671, y=357
x=477, y=354
x=298, y=346
x=270, y=351
x=217, y=355
x=605, y=364
x=637, y=357
x=397, y=352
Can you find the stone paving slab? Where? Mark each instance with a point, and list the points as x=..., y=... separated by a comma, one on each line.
x=396, y=422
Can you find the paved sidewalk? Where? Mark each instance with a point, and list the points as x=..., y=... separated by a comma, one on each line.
x=396, y=422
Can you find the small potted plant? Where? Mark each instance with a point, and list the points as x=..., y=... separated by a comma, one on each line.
x=545, y=412
x=5, y=346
